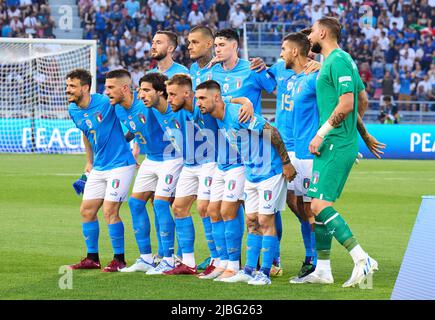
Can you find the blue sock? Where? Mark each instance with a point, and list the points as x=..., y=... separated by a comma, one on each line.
x=167, y=226
x=179, y=251
x=186, y=234
x=313, y=247
x=269, y=245
x=116, y=234
x=253, y=248
x=278, y=225
x=233, y=239
x=141, y=224
x=209, y=236
x=91, y=232
x=306, y=235
x=219, y=238
x=157, y=226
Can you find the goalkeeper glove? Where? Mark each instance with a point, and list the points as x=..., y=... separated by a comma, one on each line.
x=79, y=184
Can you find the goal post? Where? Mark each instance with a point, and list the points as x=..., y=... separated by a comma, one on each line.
x=33, y=104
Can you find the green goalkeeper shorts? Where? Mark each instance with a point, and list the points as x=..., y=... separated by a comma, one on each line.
x=330, y=171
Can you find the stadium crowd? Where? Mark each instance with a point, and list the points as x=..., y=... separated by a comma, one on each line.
x=394, y=49
x=26, y=18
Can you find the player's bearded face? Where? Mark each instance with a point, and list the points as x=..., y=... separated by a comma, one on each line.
x=74, y=90
x=114, y=91
x=286, y=55
x=204, y=101
x=314, y=38
x=159, y=48
x=176, y=97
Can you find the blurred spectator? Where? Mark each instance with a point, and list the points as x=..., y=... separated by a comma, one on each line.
x=237, y=18
x=405, y=81
x=195, y=17
x=223, y=11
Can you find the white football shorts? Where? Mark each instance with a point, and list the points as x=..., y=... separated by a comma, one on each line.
x=196, y=180
x=111, y=185
x=228, y=185
x=266, y=197
x=158, y=176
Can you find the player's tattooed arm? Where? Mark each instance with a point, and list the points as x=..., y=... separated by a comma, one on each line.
x=89, y=154
x=336, y=118
x=343, y=108
x=287, y=167
x=129, y=136
x=372, y=144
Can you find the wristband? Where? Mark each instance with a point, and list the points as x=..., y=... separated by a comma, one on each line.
x=324, y=130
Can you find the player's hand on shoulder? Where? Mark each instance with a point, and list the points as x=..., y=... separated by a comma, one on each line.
x=315, y=145
x=257, y=64
x=246, y=112
x=289, y=171
x=312, y=66
x=213, y=61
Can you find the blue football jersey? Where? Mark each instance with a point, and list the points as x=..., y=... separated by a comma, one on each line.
x=103, y=130
x=306, y=114
x=284, y=109
x=175, y=68
x=260, y=158
x=141, y=121
x=241, y=81
x=185, y=130
x=200, y=75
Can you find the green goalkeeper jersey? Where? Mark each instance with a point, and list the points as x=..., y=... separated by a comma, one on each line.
x=339, y=75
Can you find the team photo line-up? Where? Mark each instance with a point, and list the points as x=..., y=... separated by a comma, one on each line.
x=205, y=140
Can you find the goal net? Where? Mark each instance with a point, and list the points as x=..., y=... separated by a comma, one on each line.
x=33, y=105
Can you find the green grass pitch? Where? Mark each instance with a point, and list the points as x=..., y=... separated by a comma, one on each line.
x=40, y=231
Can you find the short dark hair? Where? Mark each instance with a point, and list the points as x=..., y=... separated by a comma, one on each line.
x=83, y=75
x=180, y=79
x=209, y=84
x=229, y=34
x=157, y=80
x=204, y=30
x=387, y=98
x=173, y=38
x=306, y=31
x=301, y=41
x=118, y=73
x=333, y=25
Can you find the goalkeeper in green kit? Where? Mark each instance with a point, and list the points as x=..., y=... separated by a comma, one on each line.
x=335, y=147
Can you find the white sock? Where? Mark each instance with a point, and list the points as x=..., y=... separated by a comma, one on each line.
x=357, y=254
x=215, y=261
x=233, y=265
x=223, y=264
x=189, y=259
x=323, y=265
x=169, y=260
x=148, y=258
